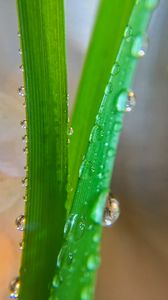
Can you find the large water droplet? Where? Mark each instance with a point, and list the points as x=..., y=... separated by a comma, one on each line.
x=65, y=257
x=131, y=101
x=151, y=4
x=20, y=223
x=21, y=91
x=14, y=288
x=122, y=101
x=111, y=212
x=115, y=69
x=139, y=46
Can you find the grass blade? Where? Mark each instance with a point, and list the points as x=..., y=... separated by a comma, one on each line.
x=111, y=21
x=79, y=257
x=43, y=47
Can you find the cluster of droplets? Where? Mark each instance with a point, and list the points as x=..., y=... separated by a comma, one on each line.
x=20, y=220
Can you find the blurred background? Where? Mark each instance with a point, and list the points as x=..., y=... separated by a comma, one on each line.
x=135, y=250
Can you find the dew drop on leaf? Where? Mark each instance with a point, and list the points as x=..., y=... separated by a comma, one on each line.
x=57, y=281
x=115, y=69
x=21, y=245
x=21, y=91
x=93, y=262
x=131, y=101
x=70, y=131
x=21, y=68
x=20, y=223
x=23, y=123
x=128, y=32
x=122, y=101
x=111, y=212
x=139, y=47
x=14, y=288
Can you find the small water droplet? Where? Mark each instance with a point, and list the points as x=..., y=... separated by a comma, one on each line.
x=115, y=69
x=86, y=293
x=24, y=149
x=21, y=245
x=21, y=91
x=93, y=262
x=20, y=51
x=140, y=46
x=128, y=32
x=24, y=198
x=117, y=126
x=24, y=181
x=70, y=131
x=23, y=123
x=111, y=152
x=131, y=101
x=18, y=34
x=122, y=101
x=151, y=4
x=111, y=212
x=20, y=223
x=14, y=288
x=69, y=141
x=65, y=257
x=108, y=89
x=24, y=138
x=57, y=281
x=21, y=68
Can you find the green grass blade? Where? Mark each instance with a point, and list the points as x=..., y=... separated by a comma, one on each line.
x=112, y=18
x=43, y=47
x=79, y=256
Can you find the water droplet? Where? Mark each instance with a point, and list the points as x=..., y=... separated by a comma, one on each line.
x=86, y=293
x=23, y=123
x=70, y=131
x=151, y=4
x=93, y=262
x=115, y=69
x=24, y=198
x=140, y=46
x=21, y=245
x=111, y=152
x=97, y=237
x=24, y=138
x=14, y=288
x=131, y=101
x=24, y=149
x=100, y=175
x=18, y=34
x=21, y=91
x=108, y=89
x=98, y=208
x=20, y=51
x=21, y=68
x=57, y=281
x=122, y=101
x=117, y=126
x=111, y=212
x=20, y=223
x=128, y=32
x=64, y=257
x=69, y=141
x=24, y=181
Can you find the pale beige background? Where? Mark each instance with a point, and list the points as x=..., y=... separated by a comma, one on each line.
x=135, y=250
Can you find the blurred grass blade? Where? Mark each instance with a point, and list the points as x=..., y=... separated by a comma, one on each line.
x=43, y=47
x=79, y=257
x=112, y=18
